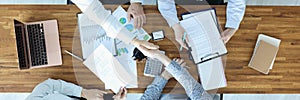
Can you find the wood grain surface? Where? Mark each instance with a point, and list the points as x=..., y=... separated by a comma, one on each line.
x=279, y=22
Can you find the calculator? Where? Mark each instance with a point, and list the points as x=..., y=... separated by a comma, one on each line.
x=153, y=67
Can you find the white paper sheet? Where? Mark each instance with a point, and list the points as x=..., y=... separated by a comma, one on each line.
x=92, y=35
x=108, y=69
x=204, y=36
x=212, y=74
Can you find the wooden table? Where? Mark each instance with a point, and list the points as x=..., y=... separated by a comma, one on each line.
x=279, y=22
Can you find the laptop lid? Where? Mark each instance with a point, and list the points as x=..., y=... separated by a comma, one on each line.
x=22, y=48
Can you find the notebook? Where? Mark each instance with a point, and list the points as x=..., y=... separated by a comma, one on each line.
x=264, y=53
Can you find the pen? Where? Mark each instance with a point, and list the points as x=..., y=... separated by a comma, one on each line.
x=73, y=55
x=183, y=39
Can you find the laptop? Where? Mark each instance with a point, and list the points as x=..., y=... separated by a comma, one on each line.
x=37, y=44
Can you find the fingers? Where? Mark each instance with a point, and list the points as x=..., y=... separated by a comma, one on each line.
x=141, y=48
x=140, y=22
x=135, y=21
x=103, y=92
x=144, y=19
x=120, y=91
x=183, y=45
x=123, y=95
x=128, y=16
x=181, y=62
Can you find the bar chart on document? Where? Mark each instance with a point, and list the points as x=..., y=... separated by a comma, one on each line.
x=92, y=35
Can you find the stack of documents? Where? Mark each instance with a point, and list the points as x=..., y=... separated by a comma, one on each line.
x=264, y=53
x=206, y=47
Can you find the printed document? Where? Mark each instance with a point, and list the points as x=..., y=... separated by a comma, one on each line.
x=92, y=35
x=204, y=37
x=205, y=43
x=108, y=69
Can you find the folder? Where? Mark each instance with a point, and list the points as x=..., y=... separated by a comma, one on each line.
x=264, y=53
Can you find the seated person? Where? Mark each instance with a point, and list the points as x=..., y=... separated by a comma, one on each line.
x=193, y=89
x=235, y=13
x=60, y=90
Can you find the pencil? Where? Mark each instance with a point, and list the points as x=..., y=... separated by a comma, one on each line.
x=73, y=55
x=183, y=39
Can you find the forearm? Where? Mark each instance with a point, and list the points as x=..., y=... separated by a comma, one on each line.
x=168, y=10
x=192, y=88
x=163, y=59
x=96, y=12
x=154, y=90
x=48, y=87
x=235, y=13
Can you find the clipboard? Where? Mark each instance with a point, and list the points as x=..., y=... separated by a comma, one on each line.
x=195, y=15
x=215, y=13
x=206, y=58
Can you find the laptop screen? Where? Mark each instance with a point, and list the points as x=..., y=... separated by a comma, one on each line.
x=21, y=44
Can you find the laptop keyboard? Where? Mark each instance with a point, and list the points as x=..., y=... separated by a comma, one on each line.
x=21, y=47
x=37, y=44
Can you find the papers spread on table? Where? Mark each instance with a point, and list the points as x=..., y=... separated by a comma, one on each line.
x=108, y=69
x=264, y=53
x=206, y=47
x=121, y=15
x=92, y=35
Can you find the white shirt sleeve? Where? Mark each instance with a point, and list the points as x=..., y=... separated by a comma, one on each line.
x=134, y=1
x=235, y=13
x=54, y=90
x=167, y=9
x=96, y=12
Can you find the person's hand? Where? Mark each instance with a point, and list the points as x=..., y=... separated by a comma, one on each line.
x=166, y=75
x=121, y=95
x=152, y=53
x=144, y=43
x=227, y=34
x=181, y=62
x=179, y=31
x=92, y=94
x=137, y=12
